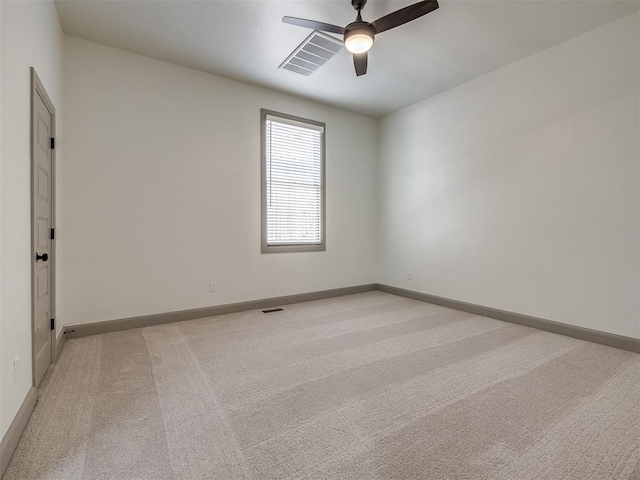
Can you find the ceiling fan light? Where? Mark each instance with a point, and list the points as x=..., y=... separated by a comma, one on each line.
x=358, y=41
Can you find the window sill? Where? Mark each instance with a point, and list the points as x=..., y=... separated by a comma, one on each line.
x=293, y=248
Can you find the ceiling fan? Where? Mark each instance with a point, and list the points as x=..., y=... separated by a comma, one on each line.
x=359, y=35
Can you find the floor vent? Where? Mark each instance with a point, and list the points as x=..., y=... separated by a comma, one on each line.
x=271, y=310
x=311, y=54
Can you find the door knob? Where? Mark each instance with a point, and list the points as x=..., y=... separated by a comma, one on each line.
x=44, y=257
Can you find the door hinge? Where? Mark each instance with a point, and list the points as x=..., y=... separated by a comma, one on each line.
x=53, y=143
x=53, y=324
x=53, y=234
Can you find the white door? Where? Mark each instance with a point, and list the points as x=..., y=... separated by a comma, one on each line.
x=42, y=190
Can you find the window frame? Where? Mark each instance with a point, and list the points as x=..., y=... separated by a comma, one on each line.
x=301, y=247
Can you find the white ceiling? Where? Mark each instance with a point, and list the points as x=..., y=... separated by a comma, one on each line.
x=246, y=40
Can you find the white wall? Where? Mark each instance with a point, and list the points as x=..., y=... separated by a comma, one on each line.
x=162, y=192
x=520, y=190
x=31, y=36
x=2, y=429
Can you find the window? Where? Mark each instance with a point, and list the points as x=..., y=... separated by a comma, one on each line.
x=292, y=184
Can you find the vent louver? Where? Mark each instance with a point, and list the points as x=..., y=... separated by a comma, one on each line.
x=311, y=54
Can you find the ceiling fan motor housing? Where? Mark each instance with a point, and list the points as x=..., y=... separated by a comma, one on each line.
x=358, y=4
x=359, y=28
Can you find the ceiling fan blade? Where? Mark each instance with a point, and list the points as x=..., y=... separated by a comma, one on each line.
x=404, y=15
x=360, y=61
x=324, y=27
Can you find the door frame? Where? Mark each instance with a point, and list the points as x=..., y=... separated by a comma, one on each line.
x=37, y=88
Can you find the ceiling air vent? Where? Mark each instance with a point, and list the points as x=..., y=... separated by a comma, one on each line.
x=312, y=53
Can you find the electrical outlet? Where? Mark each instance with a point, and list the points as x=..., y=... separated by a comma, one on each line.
x=409, y=276
x=16, y=364
x=212, y=287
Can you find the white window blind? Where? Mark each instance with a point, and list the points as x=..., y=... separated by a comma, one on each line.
x=294, y=175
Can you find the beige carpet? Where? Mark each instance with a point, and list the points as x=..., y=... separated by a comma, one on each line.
x=368, y=386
